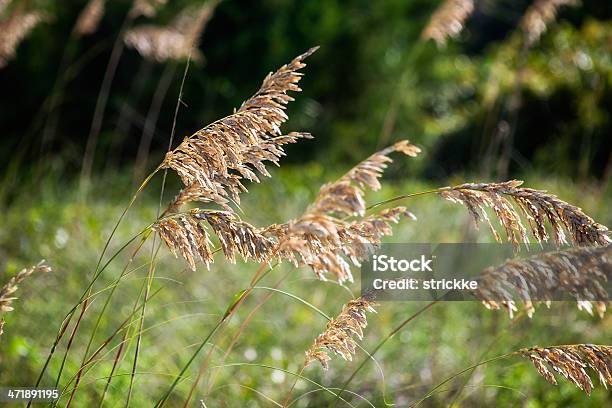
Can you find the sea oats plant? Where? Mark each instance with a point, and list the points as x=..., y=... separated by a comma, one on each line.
x=334, y=234
x=571, y=361
x=580, y=272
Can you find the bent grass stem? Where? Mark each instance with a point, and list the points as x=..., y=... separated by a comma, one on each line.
x=382, y=343
x=452, y=377
x=97, y=273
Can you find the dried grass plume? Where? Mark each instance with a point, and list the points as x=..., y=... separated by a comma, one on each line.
x=580, y=272
x=344, y=197
x=338, y=335
x=569, y=223
x=219, y=156
x=571, y=361
x=6, y=300
x=324, y=239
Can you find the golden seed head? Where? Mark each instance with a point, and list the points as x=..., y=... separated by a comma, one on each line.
x=571, y=361
x=339, y=333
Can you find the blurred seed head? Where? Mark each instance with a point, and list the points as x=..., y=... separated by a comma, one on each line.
x=176, y=41
x=146, y=8
x=14, y=28
x=89, y=18
x=448, y=21
x=539, y=15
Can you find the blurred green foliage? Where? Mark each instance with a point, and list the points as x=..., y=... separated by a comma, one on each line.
x=373, y=81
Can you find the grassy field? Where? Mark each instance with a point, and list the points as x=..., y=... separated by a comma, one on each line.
x=51, y=220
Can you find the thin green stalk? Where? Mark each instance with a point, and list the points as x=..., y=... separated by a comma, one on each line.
x=161, y=198
x=452, y=377
x=137, y=332
x=112, y=372
x=89, y=359
x=288, y=397
x=149, y=282
x=105, y=306
x=382, y=343
x=403, y=197
x=299, y=299
x=112, y=292
x=97, y=273
x=229, y=348
x=455, y=398
x=72, y=336
x=163, y=399
x=116, y=361
x=321, y=386
x=238, y=300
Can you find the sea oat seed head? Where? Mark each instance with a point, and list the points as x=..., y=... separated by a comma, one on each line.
x=12, y=285
x=338, y=335
x=580, y=272
x=570, y=361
